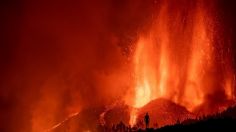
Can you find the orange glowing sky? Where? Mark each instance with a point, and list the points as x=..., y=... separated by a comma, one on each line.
x=62, y=57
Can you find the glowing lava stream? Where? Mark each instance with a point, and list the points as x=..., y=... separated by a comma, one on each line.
x=60, y=123
x=143, y=90
x=143, y=78
x=175, y=58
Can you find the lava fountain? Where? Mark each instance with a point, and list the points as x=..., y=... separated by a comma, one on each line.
x=177, y=58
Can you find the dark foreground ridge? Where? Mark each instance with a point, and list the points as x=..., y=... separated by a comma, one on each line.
x=211, y=125
x=225, y=121
x=223, y=124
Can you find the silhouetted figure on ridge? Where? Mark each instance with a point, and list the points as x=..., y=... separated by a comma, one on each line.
x=147, y=120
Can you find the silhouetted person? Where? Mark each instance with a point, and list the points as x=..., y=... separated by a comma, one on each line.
x=146, y=120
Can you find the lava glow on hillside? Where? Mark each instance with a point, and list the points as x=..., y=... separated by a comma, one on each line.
x=98, y=62
x=177, y=58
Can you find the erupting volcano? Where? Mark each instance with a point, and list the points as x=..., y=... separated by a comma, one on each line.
x=82, y=65
x=177, y=59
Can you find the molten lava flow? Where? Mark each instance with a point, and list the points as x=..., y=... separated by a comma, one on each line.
x=143, y=74
x=176, y=59
x=145, y=77
x=60, y=123
x=200, y=61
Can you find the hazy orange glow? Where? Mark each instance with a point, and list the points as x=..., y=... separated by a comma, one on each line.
x=86, y=63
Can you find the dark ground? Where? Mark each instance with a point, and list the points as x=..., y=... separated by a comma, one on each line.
x=225, y=121
x=224, y=124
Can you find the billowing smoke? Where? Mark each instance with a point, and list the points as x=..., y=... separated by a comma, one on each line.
x=57, y=58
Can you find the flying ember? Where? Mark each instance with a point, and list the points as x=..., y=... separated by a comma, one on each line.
x=176, y=58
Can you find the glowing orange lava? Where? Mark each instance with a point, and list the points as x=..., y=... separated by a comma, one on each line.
x=175, y=59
